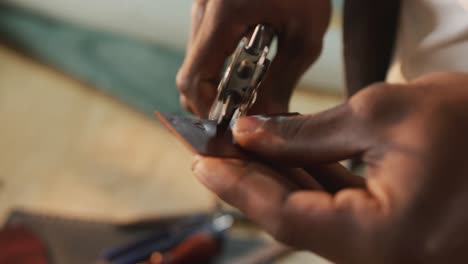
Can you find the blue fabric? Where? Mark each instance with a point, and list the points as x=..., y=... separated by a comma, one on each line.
x=140, y=74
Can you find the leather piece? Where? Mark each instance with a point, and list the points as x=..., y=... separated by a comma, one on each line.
x=20, y=245
x=203, y=136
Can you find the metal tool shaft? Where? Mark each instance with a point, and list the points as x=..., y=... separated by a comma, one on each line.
x=242, y=77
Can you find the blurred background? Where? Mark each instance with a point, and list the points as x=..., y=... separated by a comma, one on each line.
x=79, y=81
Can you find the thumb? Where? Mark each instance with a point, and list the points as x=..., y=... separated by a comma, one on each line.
x=329, y=136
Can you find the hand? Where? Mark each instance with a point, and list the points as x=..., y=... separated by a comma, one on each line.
x=411, y=207
x=218, y=26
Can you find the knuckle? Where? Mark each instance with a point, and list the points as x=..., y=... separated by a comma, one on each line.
x=359, y=203
x=382, y=103
x=365, y=101
x=183, y=82
x=185, y=104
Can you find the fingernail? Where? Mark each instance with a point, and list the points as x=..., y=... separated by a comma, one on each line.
x=250, y=124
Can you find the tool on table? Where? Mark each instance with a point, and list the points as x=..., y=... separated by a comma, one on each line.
x=164, y=241
x=264, y=254
x=199, y=247
x=193, y=221
x=161, y=239
x=237, y=90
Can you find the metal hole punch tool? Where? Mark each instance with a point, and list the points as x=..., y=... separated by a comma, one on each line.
x=244, y=73
x=237, y=92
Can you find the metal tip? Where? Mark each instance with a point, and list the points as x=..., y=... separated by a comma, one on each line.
x=223, y=222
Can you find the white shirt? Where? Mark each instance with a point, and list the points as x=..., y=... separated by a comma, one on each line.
x=432, y=37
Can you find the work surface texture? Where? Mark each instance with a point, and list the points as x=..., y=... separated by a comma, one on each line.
x=67, y=148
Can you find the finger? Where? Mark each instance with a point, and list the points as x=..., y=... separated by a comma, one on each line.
x=294, y=56
x=331, y=177
x=197, y=14
x=216, y=38
x=303, y=145
x=335, y=177
x=338, y=226
x=255, y=189
x=301, y=179
x=312, y=219
x=187, y=105
x=299, y=45
x=330, y=136
x=197, y=101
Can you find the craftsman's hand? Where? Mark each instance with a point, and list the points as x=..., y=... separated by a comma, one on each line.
x=217, y=27
x=412, y=207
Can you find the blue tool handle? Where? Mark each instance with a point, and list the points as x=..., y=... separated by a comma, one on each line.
x=144, y=252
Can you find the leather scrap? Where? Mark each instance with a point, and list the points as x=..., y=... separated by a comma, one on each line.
x=20, y=245
x=203, y=136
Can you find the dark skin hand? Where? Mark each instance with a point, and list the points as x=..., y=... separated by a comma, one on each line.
x=218, y=26
x=411, y=208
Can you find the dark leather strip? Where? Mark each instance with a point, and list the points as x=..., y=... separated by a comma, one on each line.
x=203, y=136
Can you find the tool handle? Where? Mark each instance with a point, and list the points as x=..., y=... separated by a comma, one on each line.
x=198, y=248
